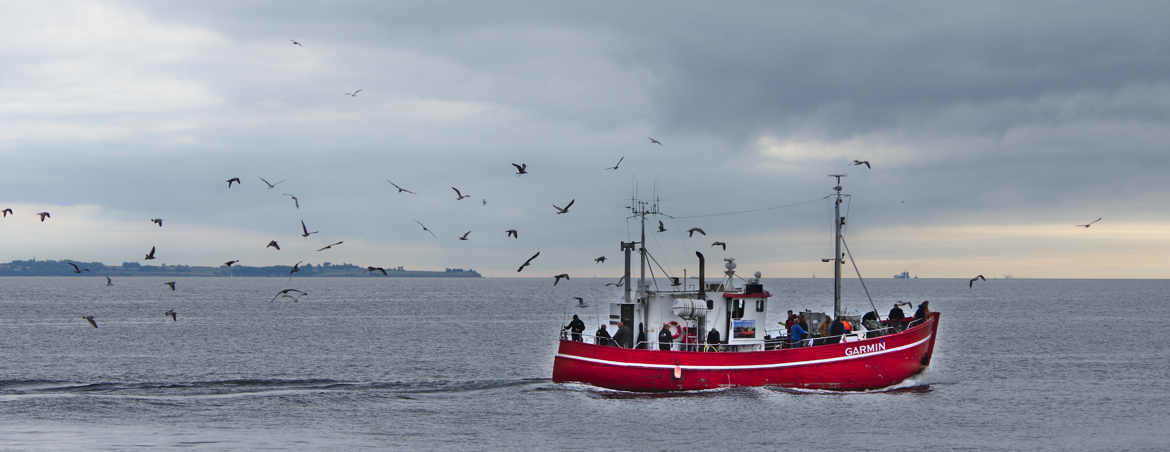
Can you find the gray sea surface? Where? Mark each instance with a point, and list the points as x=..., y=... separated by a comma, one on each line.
x=422, y=364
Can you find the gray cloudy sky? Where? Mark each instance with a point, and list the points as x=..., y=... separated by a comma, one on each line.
x=993, y=127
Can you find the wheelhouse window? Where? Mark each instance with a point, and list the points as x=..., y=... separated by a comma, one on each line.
x=737, y=308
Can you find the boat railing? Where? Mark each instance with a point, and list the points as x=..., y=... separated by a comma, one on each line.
x=769, y=343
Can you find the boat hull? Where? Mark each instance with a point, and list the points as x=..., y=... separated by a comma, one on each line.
x=866, y=364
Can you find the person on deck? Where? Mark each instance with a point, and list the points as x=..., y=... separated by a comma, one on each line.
x=712, y=341
x=796, y=333
x=848, y=326
x=641, y=336
x=836, y=329
x=664, y=337
x=791, y=319
x=601, y=337
x=576, y=326
x=623, y=336
x=923, y=311
x=896, y=316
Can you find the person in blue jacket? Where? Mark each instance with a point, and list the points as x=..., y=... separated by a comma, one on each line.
x=796, y=333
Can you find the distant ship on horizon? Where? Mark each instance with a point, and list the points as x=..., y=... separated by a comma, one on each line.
x=905, y=275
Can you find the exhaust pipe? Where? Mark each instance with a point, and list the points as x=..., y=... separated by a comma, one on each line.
x=702, y=276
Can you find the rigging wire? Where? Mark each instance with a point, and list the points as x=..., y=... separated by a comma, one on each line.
x=737, y=212
x=859, y=278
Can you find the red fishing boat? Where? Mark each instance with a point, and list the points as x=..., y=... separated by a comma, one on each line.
x=715, y=336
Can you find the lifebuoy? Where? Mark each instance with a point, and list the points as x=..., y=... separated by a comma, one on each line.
x=672, y=325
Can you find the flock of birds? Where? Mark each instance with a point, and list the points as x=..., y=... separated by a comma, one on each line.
x=521, y=169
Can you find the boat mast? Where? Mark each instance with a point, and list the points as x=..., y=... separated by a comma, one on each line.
x=837, y=221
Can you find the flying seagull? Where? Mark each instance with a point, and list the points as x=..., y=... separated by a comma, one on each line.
x=653, y=141
x=295, y=268
x=89, y=318
x=296, y=201
x=109, y=282
x=273, y=244
x=331, y=245
x=722, y=244
x=512, y=233
x=305, y=230
x=521, y=168
x=581, y=302
x=295, y=43
x=619, y=282
x=1086, y=225
x=971, y=283
x=483, y=201
x=827, y=259
x=400, y=189
x=558, y=278
x=691, y=232
x=527, y=262
x=425, y=228
x=150, y=255
x=288, y=293
x=77, y=269
x=380, y=269
x=235, y=180
x=459, y=195
x=464, y=236
x=157, y=221
x=270, y=184
x=171, y=313
x=171, y=284
x=862, y=162
x=7, y=211
x=599, y=260
x=231, y=262
x=661, y=227
x=616, y=165
x=44, y=215
x=354, y=93
x=565, y=209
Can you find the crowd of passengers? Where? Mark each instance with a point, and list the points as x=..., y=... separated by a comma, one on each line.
x=796, y=326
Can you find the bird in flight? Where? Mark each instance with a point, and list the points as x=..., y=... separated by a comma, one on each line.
x=565, y=209
x=691, y=232
x=512, y=233
x=616, y=165
x=77, y=269
x=234, y=180
x=722, y=244
x=150, y=255
x=599, y=260
x=157, y=221
x=1086, y=225
x=273, y=244
x=581, y=302
x=295, y=43
x=296, y=201
x=292, y=294
x=971, y=283
x=171, y=313
x=862, y=162
x=521, y=168
x=44, y=215
x=400, y=189
x=171, y=284
x=557, y=278
x=464, y=236
x=653, y=141
x=379, y=269
x=231, y=262
x=827, y=259
x=89, y=318
x=109, y=282
x=305, y=230
x=354, y=93
x=425, y=228
x=661, y=227
x=459, y=195
x=270, y=184
x=619, y=282
x=7, y=211
x=483, y=201
x=527, y=262
x=331, y=245
x=295, y=268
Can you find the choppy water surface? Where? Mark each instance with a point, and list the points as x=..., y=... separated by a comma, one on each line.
x=465, y=364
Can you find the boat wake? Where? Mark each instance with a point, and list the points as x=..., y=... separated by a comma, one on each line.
x=10, y=389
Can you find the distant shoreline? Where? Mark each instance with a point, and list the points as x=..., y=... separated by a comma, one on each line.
x=325, y=270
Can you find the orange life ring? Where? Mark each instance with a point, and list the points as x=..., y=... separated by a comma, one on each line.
x=674, y=334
